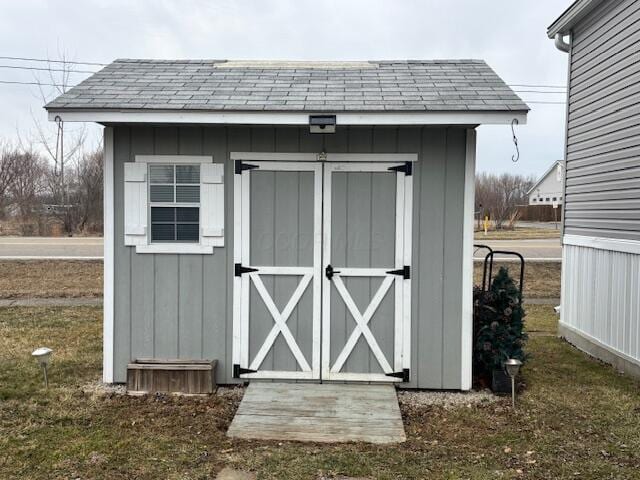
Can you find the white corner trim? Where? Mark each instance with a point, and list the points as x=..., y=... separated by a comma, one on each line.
x=290, y=118
x=467, y=262
x=174, y=158
x=108, y=324
x=180, y=248
x=615, y=245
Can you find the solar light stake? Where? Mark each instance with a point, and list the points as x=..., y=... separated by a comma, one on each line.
x=512, y=366
x=43, y=357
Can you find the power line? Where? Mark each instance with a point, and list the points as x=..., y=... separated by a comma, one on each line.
x=47, y=69
x=35, y=83
x=27, y=59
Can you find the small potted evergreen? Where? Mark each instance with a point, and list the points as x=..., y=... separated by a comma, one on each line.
x=498, y=331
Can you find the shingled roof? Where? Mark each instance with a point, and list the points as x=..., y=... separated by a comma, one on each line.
x=220, y=85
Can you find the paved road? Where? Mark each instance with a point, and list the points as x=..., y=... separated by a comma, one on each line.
x=546, y=248
x=48, y=247
x=75, y=247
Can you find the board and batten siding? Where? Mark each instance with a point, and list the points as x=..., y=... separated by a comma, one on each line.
x=180, y=306
x=602, y=191
x=600, y=303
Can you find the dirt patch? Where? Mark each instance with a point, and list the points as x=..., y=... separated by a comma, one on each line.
x=50, y=279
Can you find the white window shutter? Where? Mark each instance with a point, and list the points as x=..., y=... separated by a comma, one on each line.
x=212, y=204
x=135, y=203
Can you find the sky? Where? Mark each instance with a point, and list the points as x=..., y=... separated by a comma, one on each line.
x=510, y=35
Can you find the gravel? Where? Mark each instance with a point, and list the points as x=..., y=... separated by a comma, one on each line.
x=447, y=400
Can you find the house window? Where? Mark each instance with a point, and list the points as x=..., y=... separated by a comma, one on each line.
x=555, y=198
x=174, y=201
x=535, y=199
x=547, y=199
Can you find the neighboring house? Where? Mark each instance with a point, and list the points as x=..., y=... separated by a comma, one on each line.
x=600, y=310
x=548, y=189
x=235, y=231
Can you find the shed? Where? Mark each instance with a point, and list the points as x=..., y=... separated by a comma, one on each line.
x=292, y=220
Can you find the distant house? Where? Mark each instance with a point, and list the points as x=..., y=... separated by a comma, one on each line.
x=548, y=189
x=600, y=310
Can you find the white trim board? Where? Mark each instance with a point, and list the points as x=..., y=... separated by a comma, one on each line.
x=329, y=157
x=467, y=262
x=108, y=325
x=290, y=118
x=174, y=158
x=600, y=243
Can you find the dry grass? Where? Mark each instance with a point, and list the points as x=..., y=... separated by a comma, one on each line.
x=541, y=279
x=576, y=419
x=518, y=234
x=50, y=278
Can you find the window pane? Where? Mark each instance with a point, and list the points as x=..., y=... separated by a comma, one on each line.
x=188, y=232
x=163, y=232
x=187, y=173
x=188, y=214
x=162, y=214
x=161, y=193
x=187, y=194
x=161, y=173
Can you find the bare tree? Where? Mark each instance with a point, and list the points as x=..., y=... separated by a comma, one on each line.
x=26, y=187
x=87, y=193
x=500, y=195
x=8, y=165
x=61, y=145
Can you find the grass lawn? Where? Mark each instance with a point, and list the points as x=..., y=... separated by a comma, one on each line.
x=518, y=234
x=50, y=278
x=541, y=279
x=577, y=418
x=60, y=278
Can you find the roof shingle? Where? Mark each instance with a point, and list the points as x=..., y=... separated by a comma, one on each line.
x=394, y=86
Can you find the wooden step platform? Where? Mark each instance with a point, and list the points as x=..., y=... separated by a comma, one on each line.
x=319, y=413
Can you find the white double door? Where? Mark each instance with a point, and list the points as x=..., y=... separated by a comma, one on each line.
x=322, y=270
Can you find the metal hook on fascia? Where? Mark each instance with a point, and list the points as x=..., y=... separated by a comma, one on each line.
x=516, y=157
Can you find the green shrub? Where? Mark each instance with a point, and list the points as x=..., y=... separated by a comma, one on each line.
x=498, y=319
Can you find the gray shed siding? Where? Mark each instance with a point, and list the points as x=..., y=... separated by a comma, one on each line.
x=602, y=197
x=180, y=306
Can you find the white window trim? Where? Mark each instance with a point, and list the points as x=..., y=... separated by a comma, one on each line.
x=174, y=247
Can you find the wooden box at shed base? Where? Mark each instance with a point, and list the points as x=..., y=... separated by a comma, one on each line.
x=180, y=377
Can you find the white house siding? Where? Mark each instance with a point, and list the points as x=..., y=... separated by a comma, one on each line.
x=600, y=309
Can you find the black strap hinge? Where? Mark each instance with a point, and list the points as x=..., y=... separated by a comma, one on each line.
x=240, y=166
x=238, y=370
x=405, y=272
x=239, y=269
x=404, y=375
x=407, y=168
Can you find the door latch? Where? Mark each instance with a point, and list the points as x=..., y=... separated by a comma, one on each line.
x=329, y=272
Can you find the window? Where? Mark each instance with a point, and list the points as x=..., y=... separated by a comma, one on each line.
x=174, y=199
x=555, y=199
x=547, y=199
x=535, y=199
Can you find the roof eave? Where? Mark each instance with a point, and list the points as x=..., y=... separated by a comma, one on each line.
x=577, y=11
x=230, y=117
